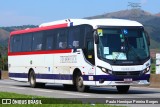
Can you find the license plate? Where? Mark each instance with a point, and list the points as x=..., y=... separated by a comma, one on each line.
x=128, y=80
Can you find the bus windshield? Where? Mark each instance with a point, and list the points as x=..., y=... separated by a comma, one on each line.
x=122, y=44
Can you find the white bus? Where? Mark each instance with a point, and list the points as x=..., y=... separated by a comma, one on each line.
x=81, y=53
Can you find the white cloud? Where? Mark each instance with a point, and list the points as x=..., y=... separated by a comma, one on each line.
x=10, y=18
x=143, y=2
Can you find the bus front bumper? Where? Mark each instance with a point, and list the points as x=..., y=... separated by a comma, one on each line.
x=111, y=80
x=120, y=83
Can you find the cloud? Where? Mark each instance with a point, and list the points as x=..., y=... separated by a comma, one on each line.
x=143, y=2
x=10, y=18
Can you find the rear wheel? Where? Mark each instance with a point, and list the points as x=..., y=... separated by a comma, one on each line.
x=32, y=80
x=79, y=83
x=123, y=89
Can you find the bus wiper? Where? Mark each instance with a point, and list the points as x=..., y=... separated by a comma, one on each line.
x=116, y=58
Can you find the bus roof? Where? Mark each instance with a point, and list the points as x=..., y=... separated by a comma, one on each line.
x=73, y=22
x=96, y=22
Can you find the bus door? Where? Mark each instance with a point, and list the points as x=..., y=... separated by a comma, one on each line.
x=90, y=51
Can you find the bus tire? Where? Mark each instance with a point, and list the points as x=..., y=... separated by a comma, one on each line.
x=32, y=81
x=79, y=83
x=123, y=89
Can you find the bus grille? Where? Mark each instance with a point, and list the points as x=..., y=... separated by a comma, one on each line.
x=128, y=73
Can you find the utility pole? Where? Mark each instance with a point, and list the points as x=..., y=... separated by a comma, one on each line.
x=134, y=7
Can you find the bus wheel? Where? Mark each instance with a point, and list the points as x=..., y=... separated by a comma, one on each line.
x=32, y=81
x=123, y=89
x=79, y=84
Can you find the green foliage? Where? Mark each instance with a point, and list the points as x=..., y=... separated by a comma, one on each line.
x=12, y=28
x=153, y=66
x=3, y=58
x=153, y=69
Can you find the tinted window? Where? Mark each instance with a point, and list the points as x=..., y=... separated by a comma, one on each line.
x=11, y=44
x=27, y=42
x=61, y=39
x=76, y=37
x=37, y=41
x=16, y=42
x=49, y=42
x=49, y=38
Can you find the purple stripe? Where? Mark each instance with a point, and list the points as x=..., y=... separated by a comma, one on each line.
x=85, y=77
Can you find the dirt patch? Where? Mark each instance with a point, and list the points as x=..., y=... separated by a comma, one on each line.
x=155, y=80
x=4, y=75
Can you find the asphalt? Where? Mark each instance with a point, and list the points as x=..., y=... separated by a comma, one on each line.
x=58, y=91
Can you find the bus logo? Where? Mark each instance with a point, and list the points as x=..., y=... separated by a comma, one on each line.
x=6, y=101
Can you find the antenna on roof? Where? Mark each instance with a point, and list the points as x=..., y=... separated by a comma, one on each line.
x=134, y=7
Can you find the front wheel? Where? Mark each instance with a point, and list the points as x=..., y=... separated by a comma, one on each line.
x=123, y=89
x=79, y=84
x=32, y=81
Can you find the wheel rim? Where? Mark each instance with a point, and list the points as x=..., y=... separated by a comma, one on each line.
x=80, y=82
x=32, y=80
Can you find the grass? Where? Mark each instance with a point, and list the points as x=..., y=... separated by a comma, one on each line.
x=153, y=68
x=61, y=102
x=14, y=95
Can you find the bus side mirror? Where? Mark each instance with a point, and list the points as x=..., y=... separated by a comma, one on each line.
x=148, y=38
x=96, y=37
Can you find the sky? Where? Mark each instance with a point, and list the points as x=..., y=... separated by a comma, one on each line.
x=35, y=12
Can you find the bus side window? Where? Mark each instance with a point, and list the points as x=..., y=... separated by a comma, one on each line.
x=89, y=53
x=26, y=42
x=62, y=45
x=37, y=41
x=74, y=38
x=62, y=39
x=16, y=43
x=90, y=46
x=11, y=44
x=75, y=44
x=49, y=42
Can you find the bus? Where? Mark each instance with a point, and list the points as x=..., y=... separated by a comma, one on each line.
x=81, y=53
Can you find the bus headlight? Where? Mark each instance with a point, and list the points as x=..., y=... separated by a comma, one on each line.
x=146, y=70
x=105, y=70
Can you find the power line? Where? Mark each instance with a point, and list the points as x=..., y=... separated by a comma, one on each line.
x=134, y=7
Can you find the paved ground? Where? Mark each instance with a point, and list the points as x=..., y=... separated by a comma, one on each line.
x=57, y=91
